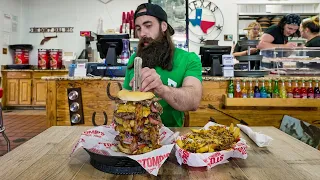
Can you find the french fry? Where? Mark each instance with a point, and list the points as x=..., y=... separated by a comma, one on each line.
x=231, y=128
x=203, y=149
x=132, y=123
x=195, y=130
x=236, y=133
x=180, y=143
x=211, y=147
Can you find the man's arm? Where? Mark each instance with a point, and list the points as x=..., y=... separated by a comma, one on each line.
x=185, y=98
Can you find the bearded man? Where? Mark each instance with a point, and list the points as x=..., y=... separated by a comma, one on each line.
x=174, y=75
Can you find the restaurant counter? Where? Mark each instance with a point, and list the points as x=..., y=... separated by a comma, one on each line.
x=255, y=112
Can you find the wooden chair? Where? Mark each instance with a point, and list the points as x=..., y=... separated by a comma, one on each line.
x=2, y=128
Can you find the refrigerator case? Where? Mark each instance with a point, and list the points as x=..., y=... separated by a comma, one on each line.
x=177, y=18
x=296, y=61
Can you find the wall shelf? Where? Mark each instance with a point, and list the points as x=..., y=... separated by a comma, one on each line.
x=269, y=102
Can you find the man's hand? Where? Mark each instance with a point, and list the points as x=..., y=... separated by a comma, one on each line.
x=150, y=80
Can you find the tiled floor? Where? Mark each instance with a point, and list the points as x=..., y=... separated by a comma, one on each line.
x=22, y=125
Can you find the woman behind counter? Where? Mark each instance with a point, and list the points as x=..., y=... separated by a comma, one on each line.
x=310, y=29
x=276, y=36
x=254, y=30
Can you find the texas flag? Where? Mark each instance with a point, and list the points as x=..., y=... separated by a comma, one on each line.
x=198, y=21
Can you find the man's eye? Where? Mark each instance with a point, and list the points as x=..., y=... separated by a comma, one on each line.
x=148, y=26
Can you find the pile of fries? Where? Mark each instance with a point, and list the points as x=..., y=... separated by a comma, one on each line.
x=216, y=138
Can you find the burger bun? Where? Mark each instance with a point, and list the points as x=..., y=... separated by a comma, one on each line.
x=126, y=95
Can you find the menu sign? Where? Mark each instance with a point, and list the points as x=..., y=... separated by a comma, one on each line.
x=51, y=30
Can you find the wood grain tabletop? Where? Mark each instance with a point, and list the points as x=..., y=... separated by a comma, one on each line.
x=47, y=156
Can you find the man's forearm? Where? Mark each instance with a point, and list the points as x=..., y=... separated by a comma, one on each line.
x=182, y=99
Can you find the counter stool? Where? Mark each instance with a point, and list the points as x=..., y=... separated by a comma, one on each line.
x=2, y=128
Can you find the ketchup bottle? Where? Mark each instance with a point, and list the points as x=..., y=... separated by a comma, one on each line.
x=303, y=91
x=296, y=90
x=310, y=90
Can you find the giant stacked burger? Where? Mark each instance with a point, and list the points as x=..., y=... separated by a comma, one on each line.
x=137, y=119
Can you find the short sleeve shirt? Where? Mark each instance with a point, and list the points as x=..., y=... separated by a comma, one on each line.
x=184, y=64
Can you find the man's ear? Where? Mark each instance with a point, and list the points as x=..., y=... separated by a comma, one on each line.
x=164, y=26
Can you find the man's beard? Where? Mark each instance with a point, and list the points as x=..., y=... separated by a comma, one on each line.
x=158, y=52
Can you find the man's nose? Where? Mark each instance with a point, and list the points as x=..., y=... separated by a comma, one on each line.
x=143, y=32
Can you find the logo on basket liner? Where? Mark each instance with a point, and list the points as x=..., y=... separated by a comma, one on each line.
x=184, y=155
x=152, y=163
x=214, y=159
x=107, y=145
x=81, y=140
x=94, y=133
x=162, y=135
x=241, y=148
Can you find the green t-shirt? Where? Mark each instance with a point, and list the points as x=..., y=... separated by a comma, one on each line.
x=184, y=64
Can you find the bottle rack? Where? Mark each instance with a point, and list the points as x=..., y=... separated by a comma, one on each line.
x=269, y=102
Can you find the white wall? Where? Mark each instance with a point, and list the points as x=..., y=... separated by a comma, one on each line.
x=12, y=7
x=81, y=14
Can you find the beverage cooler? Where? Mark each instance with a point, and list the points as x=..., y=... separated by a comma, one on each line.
x=177, y=11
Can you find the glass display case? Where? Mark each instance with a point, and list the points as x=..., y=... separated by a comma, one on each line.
x=293, y=61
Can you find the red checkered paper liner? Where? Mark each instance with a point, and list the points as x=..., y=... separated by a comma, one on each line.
x=100, y=140
x=210, y=160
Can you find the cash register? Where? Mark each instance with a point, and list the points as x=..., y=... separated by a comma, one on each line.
x=109, y=47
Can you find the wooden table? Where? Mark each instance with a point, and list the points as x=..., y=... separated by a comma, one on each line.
x=47, y=156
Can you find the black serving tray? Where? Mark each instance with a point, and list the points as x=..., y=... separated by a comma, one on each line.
x=119, y=165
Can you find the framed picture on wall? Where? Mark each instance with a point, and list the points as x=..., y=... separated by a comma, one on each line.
x=228, y=37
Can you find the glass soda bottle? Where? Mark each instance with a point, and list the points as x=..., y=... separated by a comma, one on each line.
x=289, y=90
x=230, y=89
x=125, y=54
x=263, y=91
x=256, y=90
x=237, y=94
x=296, y=90
x=244, y=91
x=303, y=91
x=269, y=91
x=250, y=91
x=275, y=92
x=283, y=91
x=310, y=90
x=317, y=91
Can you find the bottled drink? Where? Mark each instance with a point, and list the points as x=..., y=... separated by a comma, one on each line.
x=125, y=54
x=244, y=91
x=296, y=90
x=269, y=91
x=256, y=90
x=237, y=94
x=230, y=89
x=310, y=91
x=275, y=92
x=263, y=91
x=304, y=94
x=283, y=91
x=250, y=91
x=317, y=91
x=289, y=90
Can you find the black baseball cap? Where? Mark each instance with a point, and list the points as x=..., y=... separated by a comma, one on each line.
x=155, y=11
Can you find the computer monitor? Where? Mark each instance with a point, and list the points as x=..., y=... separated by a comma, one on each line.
x=110, y=46
x=211, y=56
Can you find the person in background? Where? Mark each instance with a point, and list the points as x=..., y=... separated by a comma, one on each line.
x=310, y=30
x=254, y=30
x=276, y=36
x=170, y=73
